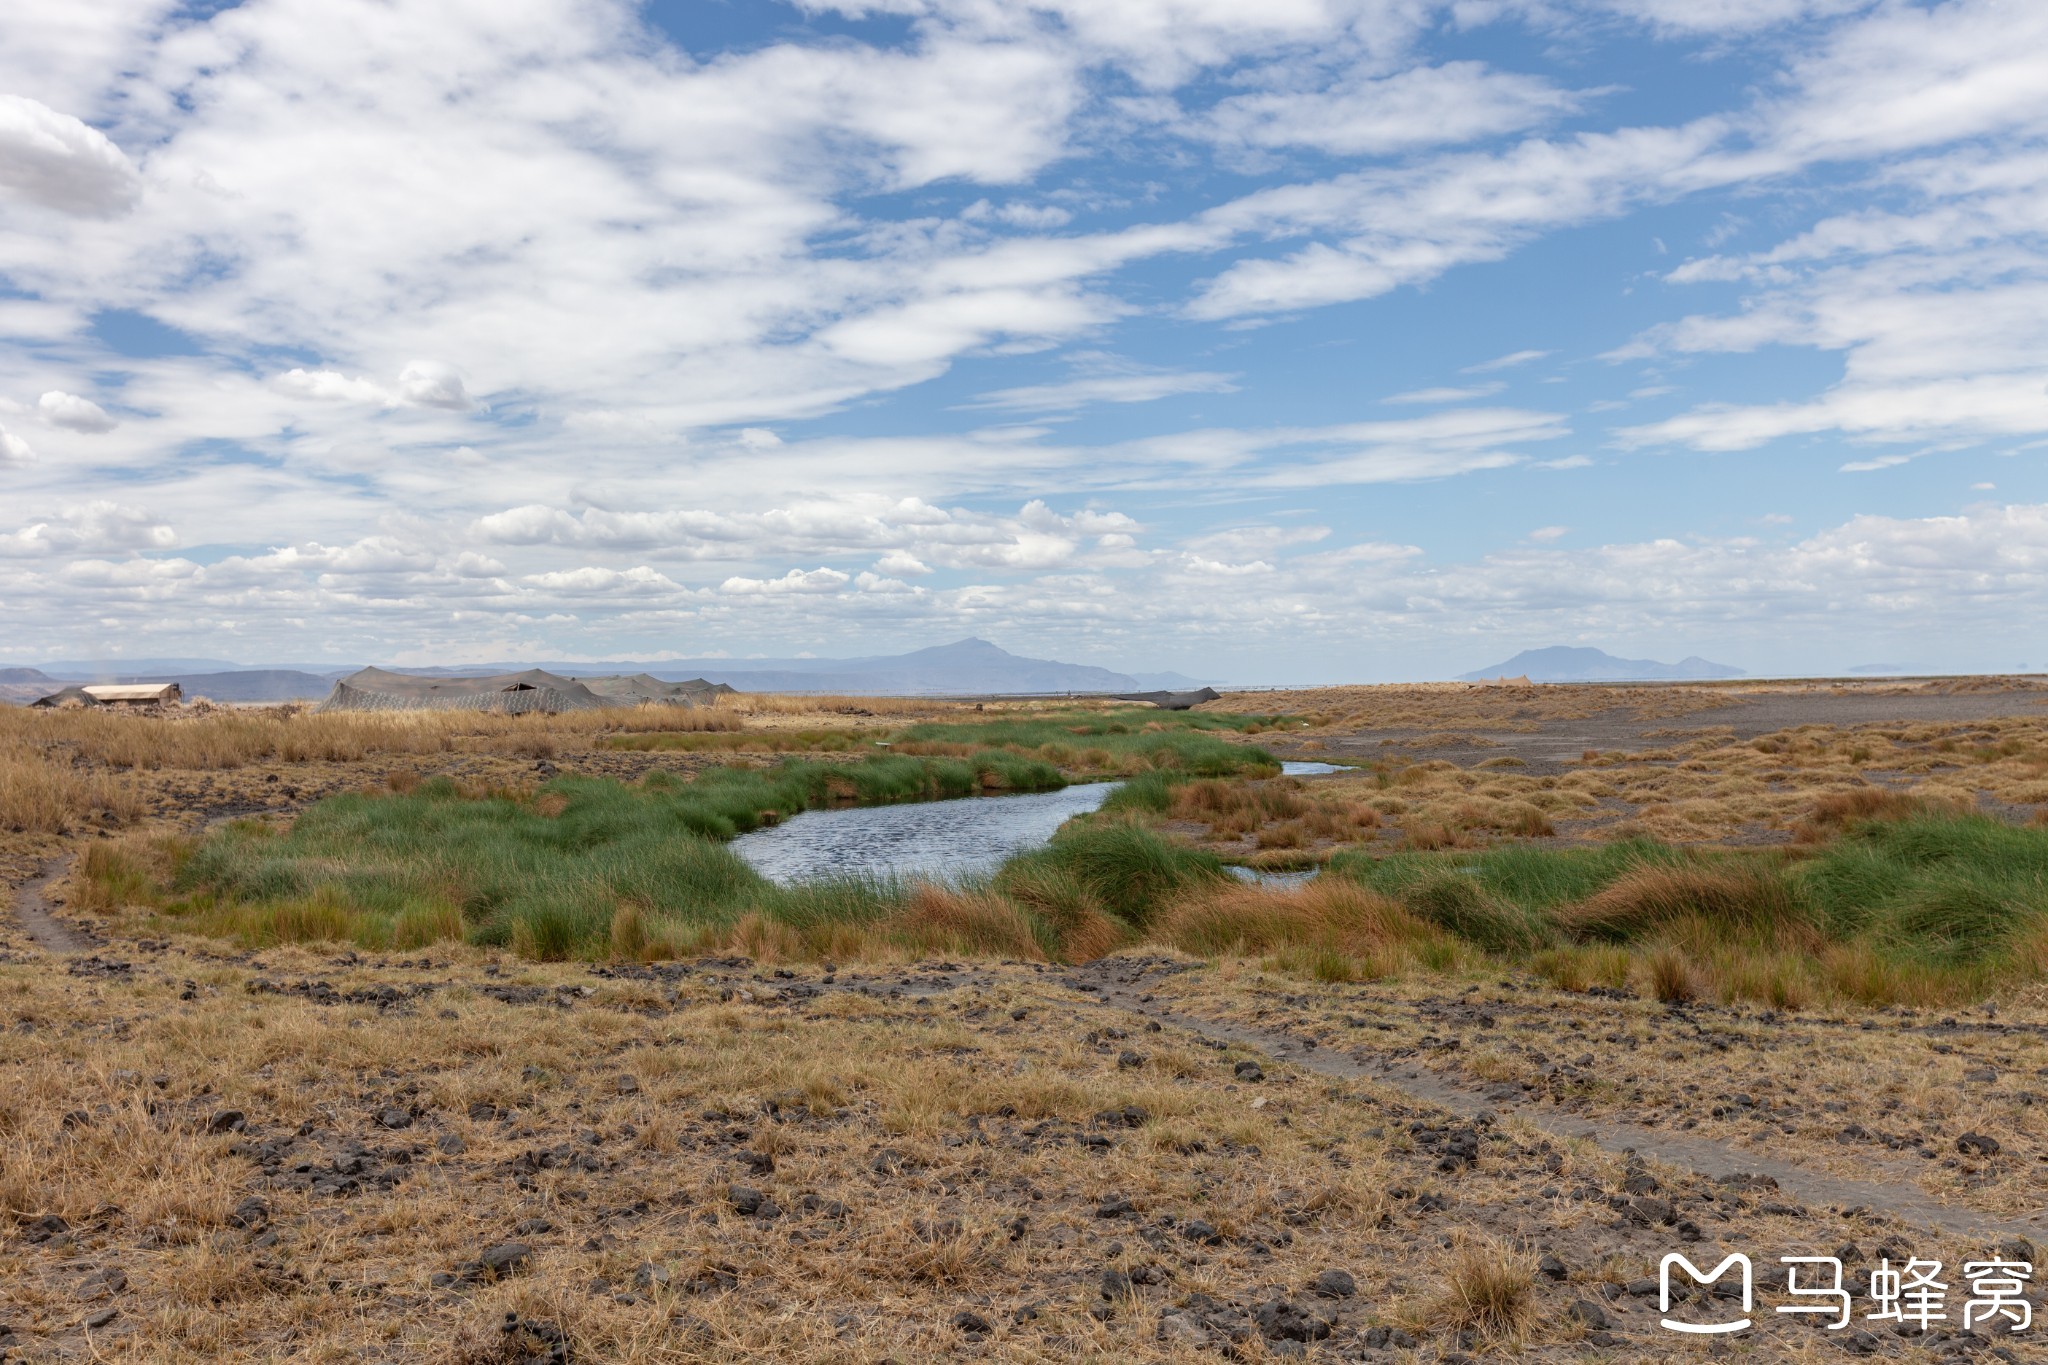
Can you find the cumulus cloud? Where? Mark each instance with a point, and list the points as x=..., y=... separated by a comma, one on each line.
x=432, y=384
x=14, y=450
x=57, y=161
x=72, y=413
x=795, y=581
x=94, y=527
x=334, y=386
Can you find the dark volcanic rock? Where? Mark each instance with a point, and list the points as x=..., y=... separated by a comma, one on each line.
x=1336, y=1284
x=506, y=1257
x=1285, y=1320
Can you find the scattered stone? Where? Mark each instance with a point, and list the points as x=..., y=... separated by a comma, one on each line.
x=451, y=1144
x=101, y=1318
x=101, y=1283
x=1201, y=1230
x=1285, y=1320
x=1588, y=1314
x=745, y=1201
x=1553, y=1269
x=506, y=1257
x=1336, y=1284
x=1129, y=1060
x=650, y=1277
x=972, y=1324
x=1249, y=1071
x=1977, y=1144
x=1115, y=1206
x=227, y=1121
x=1860, y=1343
x=252, y=1213
x=534, y=1227
x=628, y=1085
x=395, y=1118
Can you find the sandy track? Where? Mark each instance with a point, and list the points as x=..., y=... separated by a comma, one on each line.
x=32, y=912
x=1121, y=984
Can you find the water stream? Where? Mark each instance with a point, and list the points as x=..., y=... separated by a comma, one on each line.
x=941, y=840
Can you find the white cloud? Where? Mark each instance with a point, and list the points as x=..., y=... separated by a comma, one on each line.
x=1544, y=535
x=331, y=385
x=1505, y=362
x=596, y=580
x=432, y=384
x=1729, y=16
x=1113, y=388
x=94, y=527
x=795, y=581
x=1446, y=395
x=72, y=413
x=1364, y=115
x=53, y=159
x=14, y=450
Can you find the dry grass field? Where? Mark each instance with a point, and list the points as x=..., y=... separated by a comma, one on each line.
x=1352, y=1120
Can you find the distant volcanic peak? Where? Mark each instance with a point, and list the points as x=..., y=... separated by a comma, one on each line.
x=1581, y=663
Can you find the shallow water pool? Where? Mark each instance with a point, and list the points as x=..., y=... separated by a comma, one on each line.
x=939, y=840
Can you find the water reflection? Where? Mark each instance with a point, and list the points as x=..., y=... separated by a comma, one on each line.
x=941, y=840
x=1260, y=877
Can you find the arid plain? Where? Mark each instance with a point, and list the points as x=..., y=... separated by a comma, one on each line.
x=1417, y=1108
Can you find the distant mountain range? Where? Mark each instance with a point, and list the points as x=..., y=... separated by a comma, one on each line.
x=1567, y=663
x=966, y=666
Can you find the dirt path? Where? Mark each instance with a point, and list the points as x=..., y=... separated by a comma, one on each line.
x=1122, y=985
x=32, y=912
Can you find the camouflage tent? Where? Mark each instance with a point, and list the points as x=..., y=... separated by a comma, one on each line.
x=375, y=689
x=1174, y=701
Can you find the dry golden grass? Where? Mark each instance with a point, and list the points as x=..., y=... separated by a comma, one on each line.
x=929, y=1157
x=1485, y=1286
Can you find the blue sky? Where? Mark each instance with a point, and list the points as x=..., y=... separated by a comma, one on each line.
x=1300, y=341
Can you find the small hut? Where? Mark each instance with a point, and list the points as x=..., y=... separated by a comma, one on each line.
x=116, y=694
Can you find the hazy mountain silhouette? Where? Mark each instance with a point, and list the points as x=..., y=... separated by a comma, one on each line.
x=1569, y=663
